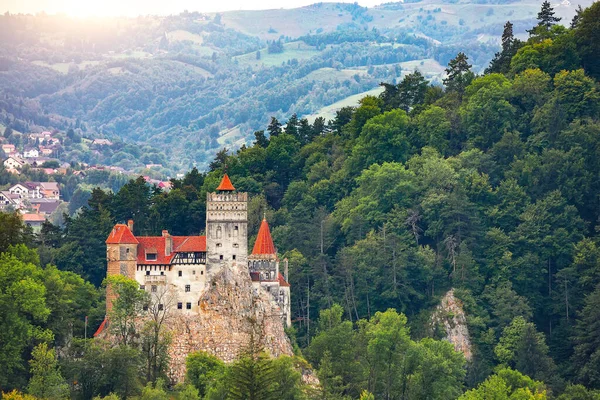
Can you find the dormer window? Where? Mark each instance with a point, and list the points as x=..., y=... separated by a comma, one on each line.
x=150, y=256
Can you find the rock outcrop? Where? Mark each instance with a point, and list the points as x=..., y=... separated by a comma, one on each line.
x=231, y=311
x=450, y=315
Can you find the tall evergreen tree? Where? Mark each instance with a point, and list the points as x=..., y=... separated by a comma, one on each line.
x=501, y=61
x=274, y=127
x=459, y=74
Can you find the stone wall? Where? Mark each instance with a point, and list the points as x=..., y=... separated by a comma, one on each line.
x=230, y=310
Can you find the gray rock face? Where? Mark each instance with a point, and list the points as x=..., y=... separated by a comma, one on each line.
x=451, y=316
x=231, y=310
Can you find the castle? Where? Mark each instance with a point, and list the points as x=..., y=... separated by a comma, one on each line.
x=184, y=265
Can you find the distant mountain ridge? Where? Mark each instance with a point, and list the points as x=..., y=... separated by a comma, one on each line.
x=188, y=85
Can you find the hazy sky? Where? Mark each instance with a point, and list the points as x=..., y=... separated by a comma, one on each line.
x=137, y=7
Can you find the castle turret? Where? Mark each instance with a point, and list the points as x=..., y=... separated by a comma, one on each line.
x=263, y=265
x=226, y=226
x=121, y=253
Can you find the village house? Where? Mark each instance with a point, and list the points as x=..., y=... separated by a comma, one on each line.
x=13, y=164
x=102, y=142
x=8, y=148
x=35, y=221
x=36, y=190
x=31, y=153
x=9, y=200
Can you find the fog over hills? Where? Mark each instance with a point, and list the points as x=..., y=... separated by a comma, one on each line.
x=176, y=89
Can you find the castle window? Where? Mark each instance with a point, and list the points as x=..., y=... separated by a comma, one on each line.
x=235, y=231
x=201, y=272
x=153, y=288
x=162, y=272
x=235, y=245
x=219, y=244
x=150, y=256
x=147, y=272
x=219, y=232
x=234, y=256
x=187, y=288
x=194, y=272
x=179, y=306
x=127, y=251
x=180, y=273
x=221, y=257
x=188, y=306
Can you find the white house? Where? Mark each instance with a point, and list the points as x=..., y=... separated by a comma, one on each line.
x=31, y=153
x=14, y=163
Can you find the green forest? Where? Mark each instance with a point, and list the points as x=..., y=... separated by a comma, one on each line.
x=489, y=185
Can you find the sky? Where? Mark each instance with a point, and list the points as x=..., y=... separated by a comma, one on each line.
x=86, y=8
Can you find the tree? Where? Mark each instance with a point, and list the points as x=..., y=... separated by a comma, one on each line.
x=261, y=139
x=546, y=18
x=501, y=61
x=154, y=336
x=522, y=347
x=587, y=37
x=586, y=357
x=202, y=370
x=46, y=381
x=459, y=74
x=507, y=384
x=274, y=127
x=252, y=378
x=13, y=231
x=24, y=309
x=126, y=307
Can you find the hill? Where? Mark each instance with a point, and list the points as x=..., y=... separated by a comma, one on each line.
x=180, y=84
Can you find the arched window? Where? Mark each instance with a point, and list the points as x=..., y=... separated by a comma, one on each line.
x=219, y=232
x=235, y=231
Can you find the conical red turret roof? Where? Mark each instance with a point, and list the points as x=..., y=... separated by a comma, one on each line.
x=264, y=241
x=226, y=184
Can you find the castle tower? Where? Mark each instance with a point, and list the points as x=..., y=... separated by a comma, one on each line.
x=263, y=260
x=121, y=256
x=263, y=265
x=226, y=227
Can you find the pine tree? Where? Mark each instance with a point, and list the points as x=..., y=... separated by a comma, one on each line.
x=546, y=20
x=459, y=74
x=252, y=376
x=261, y=139
x=411, y=91
x=501, y=61
x=546, y=16
x=291, y=128
x=274, y=127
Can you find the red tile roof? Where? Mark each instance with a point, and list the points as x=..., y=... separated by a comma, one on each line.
x=264, y=241
x=157, y=244
x=190, y=244
x=282, y=281
x=226, y=184
x=121, y=235
x=101, y=327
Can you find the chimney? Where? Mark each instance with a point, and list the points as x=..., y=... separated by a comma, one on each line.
x=168, y=242
x=285, y=269
x=130, y=225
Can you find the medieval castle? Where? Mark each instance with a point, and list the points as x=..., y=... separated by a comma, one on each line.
x=184, y=265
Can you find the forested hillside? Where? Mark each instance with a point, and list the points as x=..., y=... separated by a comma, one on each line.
x=489, y=185
x=191, y=84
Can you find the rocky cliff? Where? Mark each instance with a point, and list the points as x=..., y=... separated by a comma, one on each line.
x=450, y=315
x=231, y=309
